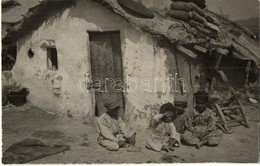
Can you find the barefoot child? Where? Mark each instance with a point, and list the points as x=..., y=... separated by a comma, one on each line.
x=201, y=125
x=113, y=131
x=165, y=136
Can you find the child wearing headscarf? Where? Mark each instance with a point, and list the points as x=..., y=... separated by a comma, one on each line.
x=113, y=132
x=201, y=125
x=165, y=136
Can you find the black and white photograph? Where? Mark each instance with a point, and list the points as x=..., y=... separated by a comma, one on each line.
x=130, y=81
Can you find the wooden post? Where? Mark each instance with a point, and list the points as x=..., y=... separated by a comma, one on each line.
x=243, y=113
x=248, y=67
x=178, y=72
x=222, y=116
x=218, y=61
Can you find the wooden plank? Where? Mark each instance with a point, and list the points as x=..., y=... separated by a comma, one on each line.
x=248, y=67
x=222, y=51
x=220, y=113
x=219, y=45
x=249, y=43
x=218, y=61
x=201, y=49
x=236, y=120
x=178, y=75
x=187, y=51
x=234, y=124
x=230, y=108
x=101, y=67
x=118, y=69
x=242, y=52
x=243, y=114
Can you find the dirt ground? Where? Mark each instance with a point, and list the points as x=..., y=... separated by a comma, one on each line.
x=18, y=124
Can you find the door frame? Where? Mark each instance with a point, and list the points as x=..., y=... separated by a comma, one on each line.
x=89, y=32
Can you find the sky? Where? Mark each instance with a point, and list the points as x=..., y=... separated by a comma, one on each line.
x=237, y=9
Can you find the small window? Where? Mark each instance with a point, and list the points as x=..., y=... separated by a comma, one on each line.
x=52, y=58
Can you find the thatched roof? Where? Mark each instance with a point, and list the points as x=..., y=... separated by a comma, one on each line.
x=176, y=31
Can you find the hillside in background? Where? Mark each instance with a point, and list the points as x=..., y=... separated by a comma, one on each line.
x=252, y=24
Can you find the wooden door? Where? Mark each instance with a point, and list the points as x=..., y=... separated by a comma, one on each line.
x=106, y=66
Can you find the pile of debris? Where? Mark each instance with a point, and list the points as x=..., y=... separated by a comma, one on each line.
x=13, y=108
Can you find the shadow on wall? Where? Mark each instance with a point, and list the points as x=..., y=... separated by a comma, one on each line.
x=49, y=11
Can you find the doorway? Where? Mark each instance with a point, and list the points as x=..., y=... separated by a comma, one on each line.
x=106, y=67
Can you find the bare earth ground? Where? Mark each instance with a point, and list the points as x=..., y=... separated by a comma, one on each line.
x=241, y=146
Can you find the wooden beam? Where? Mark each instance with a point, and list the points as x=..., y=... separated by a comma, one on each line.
x=222, y=116
x=243, y=113
x=187, y=51
x=230, y=108
x=248, y=67
x=201, y=49
x=234, y=124
x=218, y=61
x=216, y=44
x=222, y=51
x=236, y=120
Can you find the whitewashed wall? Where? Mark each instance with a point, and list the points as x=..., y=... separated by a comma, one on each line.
x=142, y=59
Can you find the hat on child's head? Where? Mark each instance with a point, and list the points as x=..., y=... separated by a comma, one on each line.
x=201, y=97
x=112, y=103
x=180, y=104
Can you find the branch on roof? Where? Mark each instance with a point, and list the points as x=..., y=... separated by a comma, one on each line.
x=10, y=3
x=37, y=15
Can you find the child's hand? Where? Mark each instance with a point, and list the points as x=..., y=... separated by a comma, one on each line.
x=173, y=142
x=132, y=140
x=122, y=143
x=119, y=137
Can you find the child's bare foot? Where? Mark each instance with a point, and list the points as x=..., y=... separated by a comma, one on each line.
x=164, y=148
x=198, y=146
x=176, y=145
x=171, y=148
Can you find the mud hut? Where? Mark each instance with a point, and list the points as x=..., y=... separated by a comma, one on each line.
x=65, y=48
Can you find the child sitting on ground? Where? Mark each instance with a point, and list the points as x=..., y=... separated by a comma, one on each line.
x=165, y=136
x=202, y=124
